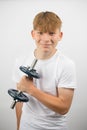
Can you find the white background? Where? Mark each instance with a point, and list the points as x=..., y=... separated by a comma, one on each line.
x=16, y=18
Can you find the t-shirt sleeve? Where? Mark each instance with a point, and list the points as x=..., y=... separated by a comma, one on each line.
x=67, y=78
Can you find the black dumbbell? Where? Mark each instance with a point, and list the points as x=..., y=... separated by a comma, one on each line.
x=20, y=96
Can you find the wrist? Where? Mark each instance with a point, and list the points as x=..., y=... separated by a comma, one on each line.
x=32, y=90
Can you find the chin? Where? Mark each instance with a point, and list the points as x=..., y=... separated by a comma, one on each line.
x=46, y=50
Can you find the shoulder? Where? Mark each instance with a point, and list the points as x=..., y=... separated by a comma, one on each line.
x=67, y=72
x=66, y=61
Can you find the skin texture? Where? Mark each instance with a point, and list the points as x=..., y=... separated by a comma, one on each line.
x=46, y=43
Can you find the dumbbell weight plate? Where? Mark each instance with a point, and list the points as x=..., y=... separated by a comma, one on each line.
x=18, y=95
x=30, y=73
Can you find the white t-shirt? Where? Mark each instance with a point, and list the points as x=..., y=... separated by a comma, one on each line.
x=58, y=71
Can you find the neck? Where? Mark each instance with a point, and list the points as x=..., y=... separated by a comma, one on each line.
x=43, y=55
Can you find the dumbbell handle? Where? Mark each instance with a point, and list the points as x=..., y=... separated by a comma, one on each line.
x=13, y=104
x=15, y=101
x=33, y=64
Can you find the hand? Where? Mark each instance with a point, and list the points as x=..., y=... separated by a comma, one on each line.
x=26, y=84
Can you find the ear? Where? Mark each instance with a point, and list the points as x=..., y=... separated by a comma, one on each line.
x=33, y=34
x=60, y=35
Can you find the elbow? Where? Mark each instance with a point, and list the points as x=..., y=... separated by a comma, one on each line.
x=63, y=111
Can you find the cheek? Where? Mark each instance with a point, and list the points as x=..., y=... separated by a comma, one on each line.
x=55, y=39
x=37, y=39
x=37, y=42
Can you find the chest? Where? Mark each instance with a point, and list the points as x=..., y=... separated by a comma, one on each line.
x=48, y=75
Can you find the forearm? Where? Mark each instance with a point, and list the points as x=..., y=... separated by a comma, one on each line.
x=55, y=103
x=18, y=113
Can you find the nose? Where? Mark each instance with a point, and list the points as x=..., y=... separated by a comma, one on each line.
x=45, y=38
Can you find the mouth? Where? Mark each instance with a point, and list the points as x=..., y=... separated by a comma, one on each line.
x=45, y=46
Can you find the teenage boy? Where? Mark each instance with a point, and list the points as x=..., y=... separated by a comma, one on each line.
x=50, y=97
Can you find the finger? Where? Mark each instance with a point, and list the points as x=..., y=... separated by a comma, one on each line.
x=29, y=78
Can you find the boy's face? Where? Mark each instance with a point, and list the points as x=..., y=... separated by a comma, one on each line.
x=46, y=42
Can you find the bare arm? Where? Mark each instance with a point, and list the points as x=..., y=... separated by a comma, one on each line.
x=18, y=113
x=18, y=109
x=60, y=103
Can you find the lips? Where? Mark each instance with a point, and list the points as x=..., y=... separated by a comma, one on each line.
x=45, y=46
